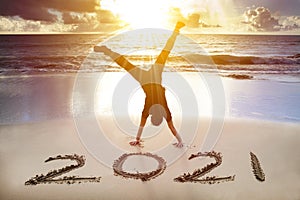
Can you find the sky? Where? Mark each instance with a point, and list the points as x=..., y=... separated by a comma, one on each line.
x=212, y=16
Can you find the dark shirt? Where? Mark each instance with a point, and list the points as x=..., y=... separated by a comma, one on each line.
x=155, y=94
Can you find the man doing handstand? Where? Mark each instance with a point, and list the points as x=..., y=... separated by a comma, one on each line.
x=150, y=80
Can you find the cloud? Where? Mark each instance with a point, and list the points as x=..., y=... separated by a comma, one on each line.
x=52, y=15
x=39, y=9
x=100, y=21
x=287, y=8
x=261, y=19
x=17, y=24
x=87, y=15
x=106, y=16
x=290, y=23
x=212, y=12
x=78, y=18
x=192, y=20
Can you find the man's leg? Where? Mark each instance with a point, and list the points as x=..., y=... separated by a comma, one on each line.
x=164, y=54
x=118, y=58
x=134, y=71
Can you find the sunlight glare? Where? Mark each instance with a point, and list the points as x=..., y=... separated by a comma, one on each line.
x=139, y=13
x=163, y=14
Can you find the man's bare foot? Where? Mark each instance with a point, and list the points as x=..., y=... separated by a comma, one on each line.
x=179, y=25
x=178, y=144
x=101, y=49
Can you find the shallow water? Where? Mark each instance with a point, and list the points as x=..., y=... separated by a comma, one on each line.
x=45, y=97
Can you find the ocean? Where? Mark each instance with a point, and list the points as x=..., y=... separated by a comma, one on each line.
x=35, y=86
x=275, y=57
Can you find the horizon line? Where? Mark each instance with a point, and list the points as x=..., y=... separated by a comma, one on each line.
x=184, y=33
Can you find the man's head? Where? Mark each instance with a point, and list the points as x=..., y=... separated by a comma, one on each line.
x=157, y=113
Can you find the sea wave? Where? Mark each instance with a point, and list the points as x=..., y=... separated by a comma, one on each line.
x=223, y=59
x=222, y=63
x=242, y=60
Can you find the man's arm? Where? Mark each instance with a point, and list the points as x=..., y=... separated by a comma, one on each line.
x=176, y=134
x=137, y=142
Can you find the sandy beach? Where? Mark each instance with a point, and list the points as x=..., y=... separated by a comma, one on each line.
x=25, y=147
x=47, y=127
x=142, y=100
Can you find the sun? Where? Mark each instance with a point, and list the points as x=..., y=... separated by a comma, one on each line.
x=140, y=13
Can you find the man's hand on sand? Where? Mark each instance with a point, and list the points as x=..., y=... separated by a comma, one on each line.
x=136, y=143
x=178, y=145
